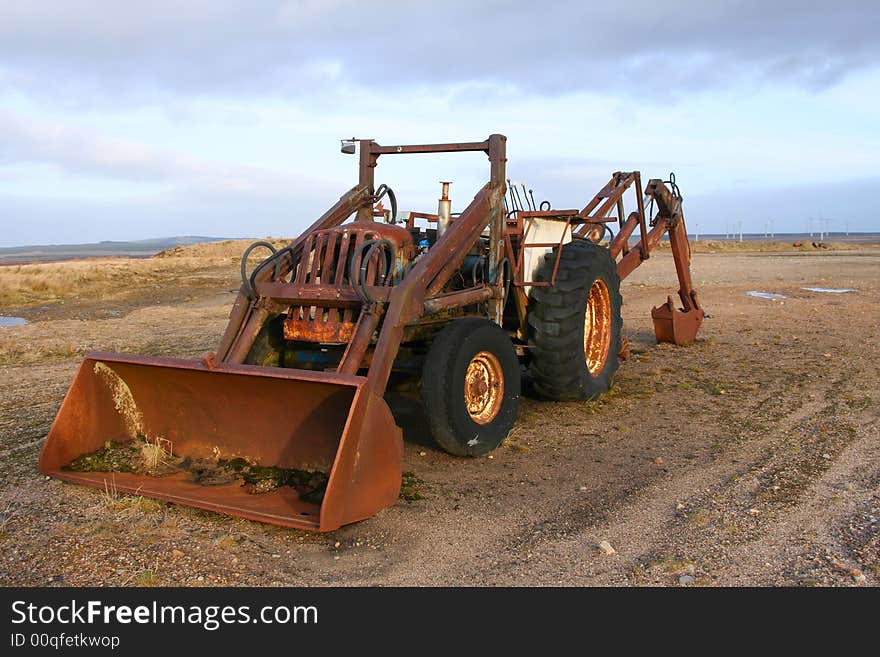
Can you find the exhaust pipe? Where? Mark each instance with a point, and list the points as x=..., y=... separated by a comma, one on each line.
x=444, y=210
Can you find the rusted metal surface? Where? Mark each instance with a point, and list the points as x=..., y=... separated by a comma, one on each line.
x=410, y=149
x=427, y=216
x=324, y=301
x=611, y=196
x=558, y=221
x=671, y=324
x=497, y=151
x=460, y=298
x=234, y=411
x=353, y=358
x=484, y=387
x=249, y=315
x=643, y=230
x=330, y=296
x=319, y=325
x=597, y=327
x=608, y=197
x=546, y=214
x=675, y=325
x=627, y=265
x=619, y=243
x=447, y=254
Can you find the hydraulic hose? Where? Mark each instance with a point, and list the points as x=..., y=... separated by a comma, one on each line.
x=357, y=268
x=381, y=191
x=248, y=281
x=502, y=269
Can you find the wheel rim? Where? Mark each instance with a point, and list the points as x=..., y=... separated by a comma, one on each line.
x=483, y=387
x=597, y=327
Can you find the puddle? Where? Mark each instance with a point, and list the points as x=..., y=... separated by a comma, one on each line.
x=831, y=290
x=12, y=321
x=765, y=295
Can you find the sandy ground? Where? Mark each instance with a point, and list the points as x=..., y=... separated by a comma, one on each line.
x=749, y=458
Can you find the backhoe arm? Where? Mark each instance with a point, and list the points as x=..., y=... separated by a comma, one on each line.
x=671, y=324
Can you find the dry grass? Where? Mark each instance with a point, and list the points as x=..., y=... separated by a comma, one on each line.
x=225, y=249
x=7, y=513
x=127, y=506
x=226, y=542
x=156, y=454
x=214, y=263
x=120, y=278
x=146, y=578
x=23, y=352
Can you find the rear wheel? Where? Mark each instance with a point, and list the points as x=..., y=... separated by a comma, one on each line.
x=575, y=324
x=471, y=387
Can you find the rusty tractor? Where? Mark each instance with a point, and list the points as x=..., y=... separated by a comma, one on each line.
x=324, y=326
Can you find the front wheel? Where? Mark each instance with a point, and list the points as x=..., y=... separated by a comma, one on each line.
x=471, y=387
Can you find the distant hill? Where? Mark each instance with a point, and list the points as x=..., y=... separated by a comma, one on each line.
x=108, y=249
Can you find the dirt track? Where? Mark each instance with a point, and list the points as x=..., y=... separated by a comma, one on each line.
x=752, y=457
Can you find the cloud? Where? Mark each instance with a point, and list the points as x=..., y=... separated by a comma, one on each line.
x=162, y=192
x=78, y=152
x=95, y=51
x=217, y=116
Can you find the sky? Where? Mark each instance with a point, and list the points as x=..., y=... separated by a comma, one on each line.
x=123, y=121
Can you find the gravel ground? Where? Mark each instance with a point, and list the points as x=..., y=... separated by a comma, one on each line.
x=749, y=458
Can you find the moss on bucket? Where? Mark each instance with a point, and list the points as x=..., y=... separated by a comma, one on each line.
x=155, y=458
x=139, y=455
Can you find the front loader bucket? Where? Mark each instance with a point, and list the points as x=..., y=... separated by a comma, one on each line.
x=271, y=417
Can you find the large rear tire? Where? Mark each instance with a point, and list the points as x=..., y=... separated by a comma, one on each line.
x=575, y=325
x=471, y=387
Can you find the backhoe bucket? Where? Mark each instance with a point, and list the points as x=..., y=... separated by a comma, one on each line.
x=676, y=326
x=296, y=420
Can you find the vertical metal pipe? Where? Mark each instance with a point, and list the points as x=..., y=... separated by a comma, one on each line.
x=643, y=229
x=367, y=175
x=444, y=209
x=498, y=171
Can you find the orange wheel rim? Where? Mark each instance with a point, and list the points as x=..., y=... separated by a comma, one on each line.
x=597, y=327
x=483, y=387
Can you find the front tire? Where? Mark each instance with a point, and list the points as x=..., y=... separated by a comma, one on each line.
x=471, y=387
